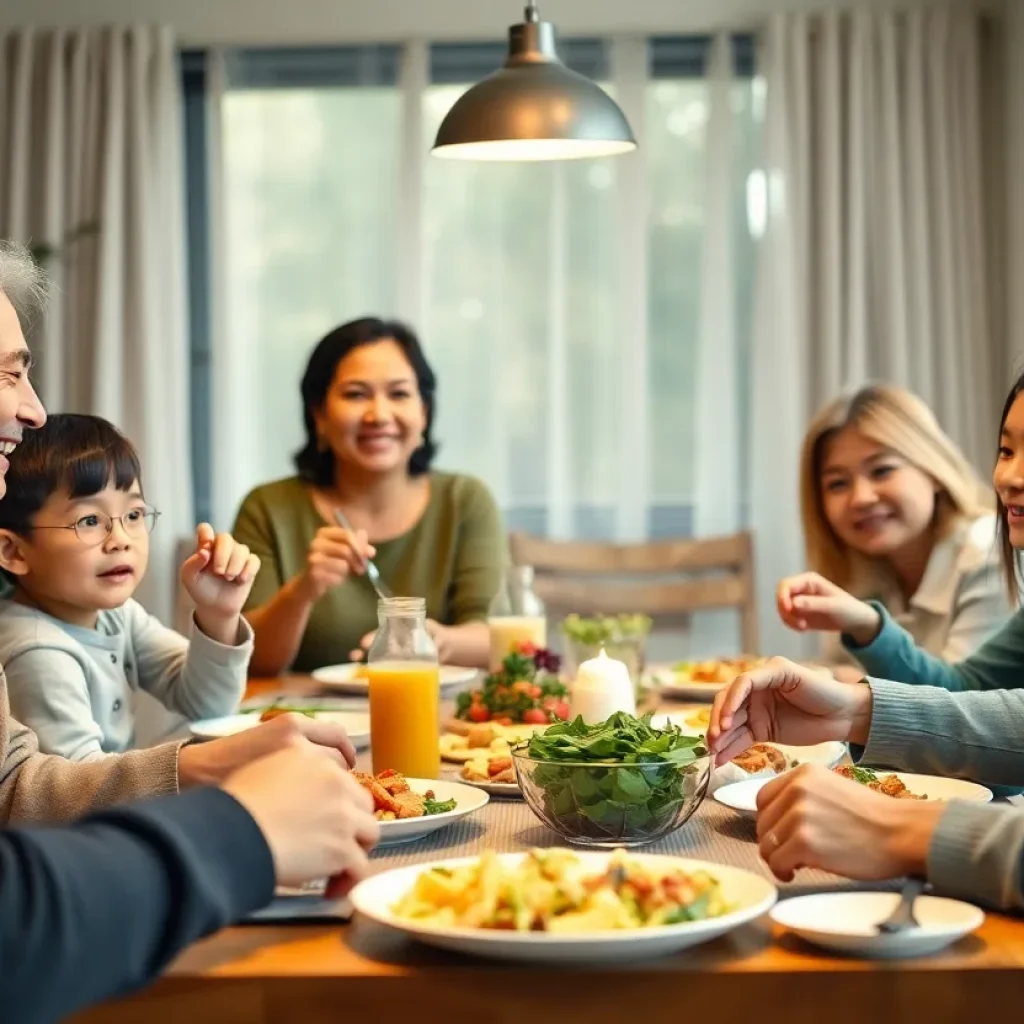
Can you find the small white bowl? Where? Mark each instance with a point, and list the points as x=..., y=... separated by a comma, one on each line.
x=846, y=922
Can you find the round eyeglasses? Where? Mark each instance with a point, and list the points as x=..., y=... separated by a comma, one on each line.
x=96, y=527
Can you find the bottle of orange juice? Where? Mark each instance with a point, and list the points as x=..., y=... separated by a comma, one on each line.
x=405, y=686
x=516, y=616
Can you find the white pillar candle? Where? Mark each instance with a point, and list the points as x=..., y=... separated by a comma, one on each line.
x=602, y=687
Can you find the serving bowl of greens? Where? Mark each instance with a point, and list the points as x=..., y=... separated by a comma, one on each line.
x=618, y=783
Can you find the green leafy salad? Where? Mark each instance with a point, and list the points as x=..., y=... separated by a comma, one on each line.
x=606, y=629
x=431, y=806
x=617, y=778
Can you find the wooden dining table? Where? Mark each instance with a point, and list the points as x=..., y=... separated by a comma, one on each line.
x=361, y=971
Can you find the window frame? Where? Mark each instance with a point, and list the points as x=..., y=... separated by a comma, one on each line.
x=376, y=65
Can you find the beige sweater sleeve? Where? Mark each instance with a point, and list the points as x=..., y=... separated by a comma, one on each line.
x=38, y=787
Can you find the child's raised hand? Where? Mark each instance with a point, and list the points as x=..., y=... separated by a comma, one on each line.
x=218, y=578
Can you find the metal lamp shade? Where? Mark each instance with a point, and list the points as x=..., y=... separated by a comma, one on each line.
x=533, y=108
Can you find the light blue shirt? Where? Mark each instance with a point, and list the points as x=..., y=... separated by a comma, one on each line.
x=75, y=688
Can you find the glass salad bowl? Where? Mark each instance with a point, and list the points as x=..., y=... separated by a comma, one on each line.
x=612, y=804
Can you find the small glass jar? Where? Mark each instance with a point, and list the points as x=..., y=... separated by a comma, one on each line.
x=516, y=616
x=405, y=685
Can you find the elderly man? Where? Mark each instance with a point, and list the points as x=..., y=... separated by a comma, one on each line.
x=98, y=907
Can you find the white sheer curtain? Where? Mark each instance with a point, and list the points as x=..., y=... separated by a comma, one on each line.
x=588, y=321
x=92, y=168
x=535, y=317
x=718, y=455
x=874, y=260
x=561, y=304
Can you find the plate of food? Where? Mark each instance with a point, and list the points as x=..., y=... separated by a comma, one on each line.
x=761, y=759
x=742, y=796
x=560, y=905
x=409, y=809
x=526, y=690
x=353, y=677
x=494, y=775
x=766, y=760
x=907, y=786
x=691, y=721
x=700, y=680
x=355, y=723
x=486, y=739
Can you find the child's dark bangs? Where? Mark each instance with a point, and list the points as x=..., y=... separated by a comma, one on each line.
x=88, y=473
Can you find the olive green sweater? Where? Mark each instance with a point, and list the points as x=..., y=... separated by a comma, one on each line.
x=453, y=557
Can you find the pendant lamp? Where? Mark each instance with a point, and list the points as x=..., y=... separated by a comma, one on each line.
x=533, y=108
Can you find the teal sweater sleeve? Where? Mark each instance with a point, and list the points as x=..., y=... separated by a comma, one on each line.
x=997, y=665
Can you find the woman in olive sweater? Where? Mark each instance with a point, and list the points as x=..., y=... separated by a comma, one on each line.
x=368, y=398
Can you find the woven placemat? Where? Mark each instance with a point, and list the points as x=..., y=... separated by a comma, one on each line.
x=713, y=833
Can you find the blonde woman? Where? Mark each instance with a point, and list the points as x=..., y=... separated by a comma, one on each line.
x=895, y=520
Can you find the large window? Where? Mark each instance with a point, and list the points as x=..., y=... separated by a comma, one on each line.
x=559, y=303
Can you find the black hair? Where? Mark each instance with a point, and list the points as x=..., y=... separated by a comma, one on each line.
x=71, y=452
x=317, y=467
x=1010, y=559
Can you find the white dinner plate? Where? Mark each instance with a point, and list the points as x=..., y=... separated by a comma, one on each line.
x=750, y=896
x=454, y=751
x=742, y=796
x=355, y=723
x=828, y=755
x=407, y=830
x=507, y=790
x=343, y=677
x=846, y=922
x=686, y=720
x=679, y=686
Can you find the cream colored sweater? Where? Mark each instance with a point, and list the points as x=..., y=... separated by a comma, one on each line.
x=38, y=787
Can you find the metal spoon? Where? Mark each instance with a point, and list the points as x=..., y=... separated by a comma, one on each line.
x=902, y=918
x=371, y=570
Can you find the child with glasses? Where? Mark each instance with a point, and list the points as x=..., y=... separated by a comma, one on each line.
x=76, y=649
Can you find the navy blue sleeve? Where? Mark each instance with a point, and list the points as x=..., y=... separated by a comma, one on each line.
x=98, y=908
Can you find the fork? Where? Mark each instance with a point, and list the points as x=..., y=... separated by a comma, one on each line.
x=902, y=918
x=371, y=570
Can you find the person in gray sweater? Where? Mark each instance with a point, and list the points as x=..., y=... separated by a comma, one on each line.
x=36, y=787
x=811, y=817
x=98, y=908
x=963, y=720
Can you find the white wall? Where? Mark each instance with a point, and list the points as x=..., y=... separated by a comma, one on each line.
x=285, y=22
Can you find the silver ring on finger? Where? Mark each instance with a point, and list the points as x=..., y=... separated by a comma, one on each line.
x=773, y=840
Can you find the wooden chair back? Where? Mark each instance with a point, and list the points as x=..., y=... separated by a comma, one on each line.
x=667, y=580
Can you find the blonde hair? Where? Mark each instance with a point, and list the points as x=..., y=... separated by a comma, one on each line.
x=901, y=422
